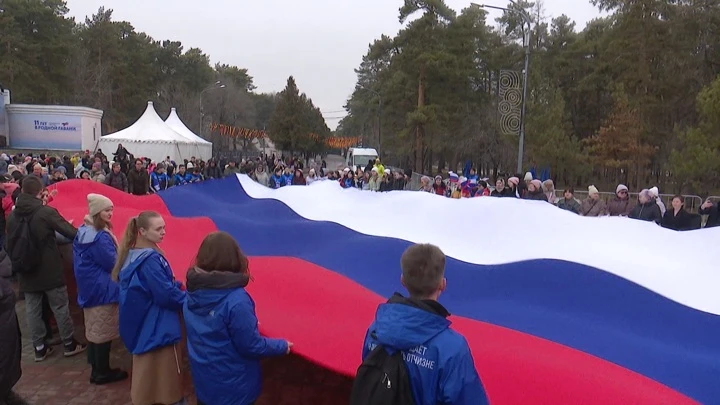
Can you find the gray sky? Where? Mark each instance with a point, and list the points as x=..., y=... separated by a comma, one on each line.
x=319, y=42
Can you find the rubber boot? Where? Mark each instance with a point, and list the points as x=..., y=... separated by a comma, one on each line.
x=104, y=374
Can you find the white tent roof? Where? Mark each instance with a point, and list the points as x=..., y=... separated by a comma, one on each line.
x=174, y=122
x=151, y=137
x=148, y=128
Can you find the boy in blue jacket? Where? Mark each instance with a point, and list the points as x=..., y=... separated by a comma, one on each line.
x=181, y=177
x=438, y=359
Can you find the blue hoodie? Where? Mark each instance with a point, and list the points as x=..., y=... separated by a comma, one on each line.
x=438, y=359
x=150, y=301
x=180, y=179
x=277, y=181
x=159, y=181
x=287, y=177
x=195, y=178
x=94, y=255
x=224, y=344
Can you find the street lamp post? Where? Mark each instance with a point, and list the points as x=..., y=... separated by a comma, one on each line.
x=526, y=43
x=217, y=85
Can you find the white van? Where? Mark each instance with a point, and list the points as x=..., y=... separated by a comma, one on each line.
x=358, y=157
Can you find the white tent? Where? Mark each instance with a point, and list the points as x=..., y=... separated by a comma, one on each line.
x=203, y=148
x=149, y=137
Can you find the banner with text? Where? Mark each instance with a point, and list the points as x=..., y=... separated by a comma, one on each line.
x=36, y=131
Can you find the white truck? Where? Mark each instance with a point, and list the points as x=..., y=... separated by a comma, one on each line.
x=359, y=157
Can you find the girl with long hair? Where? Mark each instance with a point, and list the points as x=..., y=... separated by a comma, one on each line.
x=150, y=302
x=94, y=255
x=224, y=343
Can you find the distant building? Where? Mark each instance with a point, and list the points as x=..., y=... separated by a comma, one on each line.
x=48, y=127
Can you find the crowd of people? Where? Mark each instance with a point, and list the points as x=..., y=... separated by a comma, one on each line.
x=141, y=176
x=127, y=291
x=648, y=206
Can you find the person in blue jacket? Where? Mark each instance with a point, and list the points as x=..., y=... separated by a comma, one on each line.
x=94, y=255
x=181, y=177
x=439, y=362
x=277, y=180
x=224, y=344
x=288, y=175
x=159, y=180
x=150, y=304
x=196, y=176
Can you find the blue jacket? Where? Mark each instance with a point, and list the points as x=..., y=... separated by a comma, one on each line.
x=224, y=344
x=159, y=181
x=347, y=183
x=439, y=361
x=150, y=302
x=180, y=179
x=195, y=178
x=94, y=255
x=277, y=181
x=288, y=178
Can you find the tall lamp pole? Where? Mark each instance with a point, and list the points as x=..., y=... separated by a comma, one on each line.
x=526, y=43
x=217, y=85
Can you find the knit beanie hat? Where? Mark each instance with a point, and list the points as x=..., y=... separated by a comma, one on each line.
x=97, y=203
x=621, y=187
x=654, y=191
x=528, y=176
x=593, y=190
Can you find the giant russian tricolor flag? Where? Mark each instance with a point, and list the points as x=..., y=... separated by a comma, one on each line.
x=558, y=309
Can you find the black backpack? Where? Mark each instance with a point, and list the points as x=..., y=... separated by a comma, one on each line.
x=22, y=248
x=382, y=379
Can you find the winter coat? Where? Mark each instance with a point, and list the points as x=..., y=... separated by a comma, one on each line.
x=506, y=192
x=713, y=214
x=647, y=212
x=150, y=302
x=10, y=341
x=213, y=172
x=44, y=223
x=374, y=184
x=276, y=181
x=94, y=255
x=7, y=199
x=224, y=344
x=593, y=208
x=117, y=180
x=138, y=182
x=438, y=359
x=181, y=179
x=536, y=196
x=618, y=207
x=159, y=181
x=263, y=178
x=571, y=205
x=683, y=221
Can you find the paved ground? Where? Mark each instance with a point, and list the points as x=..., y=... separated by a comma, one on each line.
x=289, y=380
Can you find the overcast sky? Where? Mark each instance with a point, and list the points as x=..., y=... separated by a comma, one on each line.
x=319, y=42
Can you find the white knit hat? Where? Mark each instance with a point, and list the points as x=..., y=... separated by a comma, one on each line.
x=621, y=187
x=593, y=190
x=654, y=191
x=98, y=203
x=528, y=176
